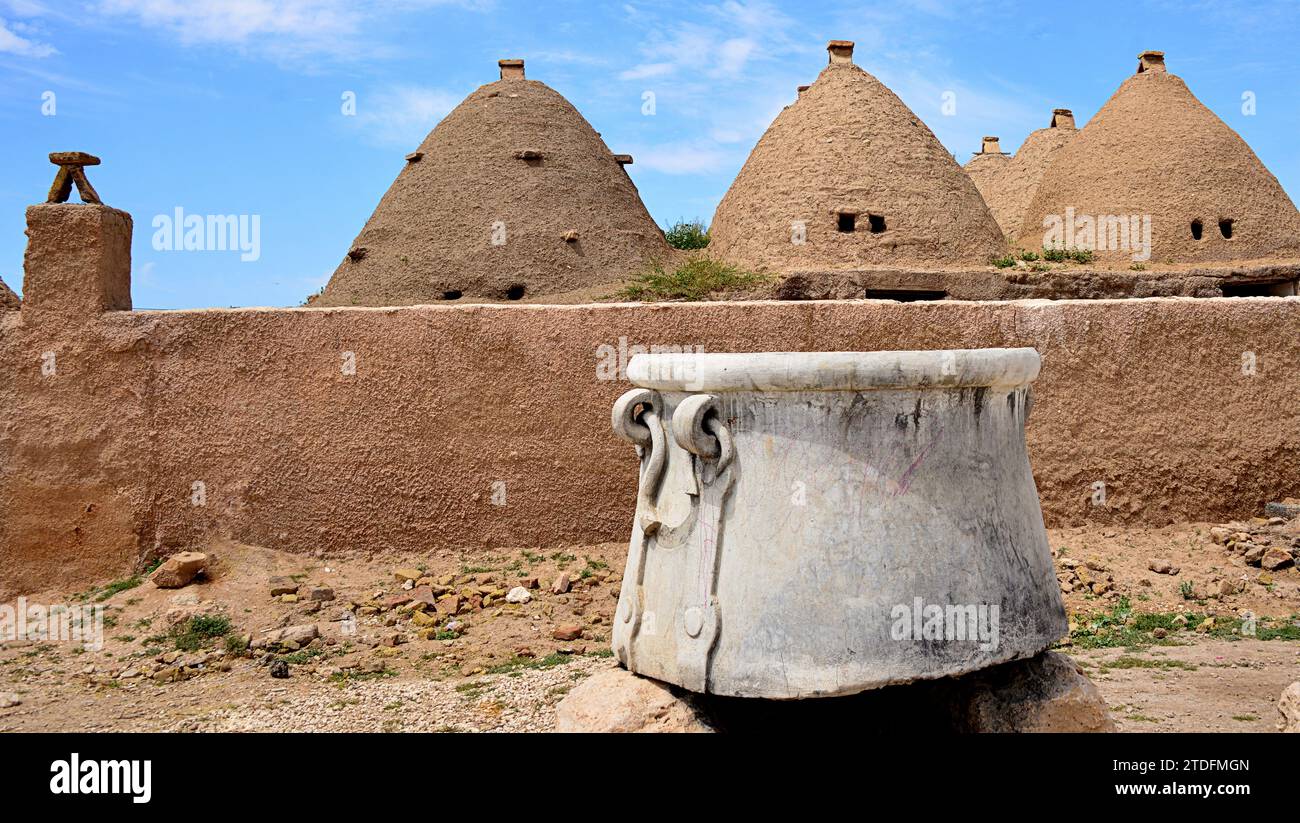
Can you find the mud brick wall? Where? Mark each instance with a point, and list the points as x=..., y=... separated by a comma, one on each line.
x=364, y=429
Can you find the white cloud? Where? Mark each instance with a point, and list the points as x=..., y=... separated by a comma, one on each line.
x=13, y=43
x=401, y=116
x=729, y=37
x=26, y=8
x=682, y=158
x=280, y=28
x=647, y=71
x=734, y=54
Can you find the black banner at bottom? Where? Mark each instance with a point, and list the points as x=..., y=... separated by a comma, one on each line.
x=186, y=772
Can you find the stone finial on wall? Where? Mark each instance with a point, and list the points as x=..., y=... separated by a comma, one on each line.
x=1153, y=61
x=841, y=51
x=72, y=170
x=78, y=259
x=511, y=69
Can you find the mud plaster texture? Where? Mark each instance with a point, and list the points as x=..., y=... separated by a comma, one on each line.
x=1022, y=282
x=1008, y=183
x=8, y=300
x=432, y=233
x=449, y=404
x=1154, y=149
x=848, y=144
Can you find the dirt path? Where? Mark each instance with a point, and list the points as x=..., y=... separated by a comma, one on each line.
x=374, y=662
x=1206, y=686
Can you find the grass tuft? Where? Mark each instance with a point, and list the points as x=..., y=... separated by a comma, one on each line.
x=695, y=279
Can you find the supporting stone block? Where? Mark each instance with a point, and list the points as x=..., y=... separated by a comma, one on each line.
x=78, y=261
x=619, y=701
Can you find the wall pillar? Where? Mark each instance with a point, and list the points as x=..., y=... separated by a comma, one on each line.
x=78, y=261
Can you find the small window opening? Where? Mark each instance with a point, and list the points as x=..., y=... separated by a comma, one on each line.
x=1280, y=288
x=1197, y=229
x=1225, y=228
x=451, y=294
x=907, y=295
x=877, y=223
x=846, y=222
x=515, y=292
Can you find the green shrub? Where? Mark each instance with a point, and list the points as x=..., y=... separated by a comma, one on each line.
x=199, y=631
x=695, y=279
x=687, y=236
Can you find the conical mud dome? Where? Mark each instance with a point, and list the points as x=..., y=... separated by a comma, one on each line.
x=8, y=300
x=988, y=168
x=512, y=195
x=1009, y=183
x=848, y=177
x=1154, y=150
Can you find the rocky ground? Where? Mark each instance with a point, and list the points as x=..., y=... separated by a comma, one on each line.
x=1188, y=627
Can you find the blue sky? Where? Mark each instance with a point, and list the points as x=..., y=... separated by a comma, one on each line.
x=236, y=106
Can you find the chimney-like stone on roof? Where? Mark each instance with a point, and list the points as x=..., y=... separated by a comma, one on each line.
x=511, y=69
x=990, y=146
x=623, y=159
x=1062, y=119
x=841, y=51
x=803, y=89
x=1151, y=61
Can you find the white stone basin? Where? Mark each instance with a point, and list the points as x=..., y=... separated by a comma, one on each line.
x=814, y=524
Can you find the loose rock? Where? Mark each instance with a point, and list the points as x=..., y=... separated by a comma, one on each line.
x=1288, y=705
x=1162, y=566
x=179, y=569
x=1047, y=693
x=619, y=701
x=568, y=631
x=282, y=586
x=1275, y=559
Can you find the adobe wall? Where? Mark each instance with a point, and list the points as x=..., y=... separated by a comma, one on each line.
x=100, y=457
x=126, y=434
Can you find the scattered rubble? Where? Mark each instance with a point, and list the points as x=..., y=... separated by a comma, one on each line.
x=457, y=635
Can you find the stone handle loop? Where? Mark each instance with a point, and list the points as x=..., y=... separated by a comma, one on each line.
x=697, y=428
x=627, y=422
